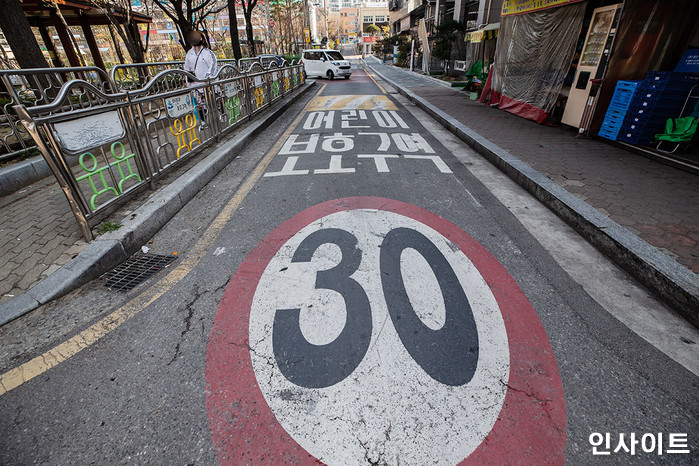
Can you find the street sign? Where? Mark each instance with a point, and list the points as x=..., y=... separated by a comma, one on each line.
x=179, y=105
x=91, y=131
x=230, y=89
x=367, y=329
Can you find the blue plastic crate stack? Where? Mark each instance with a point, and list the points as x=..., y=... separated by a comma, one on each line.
x=618, y=107
x=659, y=97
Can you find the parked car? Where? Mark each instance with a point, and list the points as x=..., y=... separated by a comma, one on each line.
x=326, y=63
x=267, y=59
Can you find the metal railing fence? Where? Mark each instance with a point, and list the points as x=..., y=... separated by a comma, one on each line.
x=104, y=146
x=39, y=86
x=35, y=87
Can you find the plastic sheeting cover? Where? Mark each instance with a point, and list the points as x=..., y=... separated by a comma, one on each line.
x=534, y=53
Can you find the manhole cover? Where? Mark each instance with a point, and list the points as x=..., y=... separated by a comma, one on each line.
x=135, y=271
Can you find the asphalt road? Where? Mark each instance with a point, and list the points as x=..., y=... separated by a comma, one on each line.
x=358, y=287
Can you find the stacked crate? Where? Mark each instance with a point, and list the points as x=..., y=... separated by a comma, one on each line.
x=660, y=96
x=618, y=108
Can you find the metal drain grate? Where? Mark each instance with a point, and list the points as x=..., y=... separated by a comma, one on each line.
x=135, y=271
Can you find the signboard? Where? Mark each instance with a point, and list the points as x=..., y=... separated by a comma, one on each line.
x=91, y=131
x=271, y=23
x=369, y=39
x=179, y=105
x=365, y=328
x=488, y=32
x=307, y=34
x=689, y=62
x=476, y=36
x=230, y=89
x=515, y=7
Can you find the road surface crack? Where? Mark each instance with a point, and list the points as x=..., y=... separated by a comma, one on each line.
x=187, y=322
x=543, y=401
x=379, y=460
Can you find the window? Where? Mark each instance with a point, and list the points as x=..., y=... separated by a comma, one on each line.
x=380, y=19
x=368, y=19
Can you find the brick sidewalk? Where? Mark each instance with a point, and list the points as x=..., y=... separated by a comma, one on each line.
x=655, y=201
x=38, y=234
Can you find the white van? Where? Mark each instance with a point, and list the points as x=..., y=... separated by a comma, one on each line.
x=326, y=63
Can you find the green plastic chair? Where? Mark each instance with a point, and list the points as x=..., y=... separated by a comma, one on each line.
x=678, y=131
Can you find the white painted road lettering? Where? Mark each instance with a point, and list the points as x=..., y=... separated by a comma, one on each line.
x=316, y=120
x=288, y=168
x=338, y=142
x=306, y=147
x=379, y=160
x=381, y=119
x=335, y=164
x=353, y=115
x=335, y=167
x=389, y=119
x=439, y=163
x=411, y=143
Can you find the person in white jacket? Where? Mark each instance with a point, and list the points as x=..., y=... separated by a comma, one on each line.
x=201, y=62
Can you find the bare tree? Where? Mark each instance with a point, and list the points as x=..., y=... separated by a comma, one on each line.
x=288, y=14
x=233, y=23
x=248, y=6
x=129, y=33
x=120, y=55
x=19, y=35
x=188, y=15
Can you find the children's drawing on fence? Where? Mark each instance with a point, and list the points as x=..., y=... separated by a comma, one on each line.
x=95, y=174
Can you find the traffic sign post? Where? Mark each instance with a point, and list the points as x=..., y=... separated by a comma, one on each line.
x=367, y=329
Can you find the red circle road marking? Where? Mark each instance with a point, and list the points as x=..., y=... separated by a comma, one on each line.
x=531, y=427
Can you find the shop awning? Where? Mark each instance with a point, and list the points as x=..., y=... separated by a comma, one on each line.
x=488, y=32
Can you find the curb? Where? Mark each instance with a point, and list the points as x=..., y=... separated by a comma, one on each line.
x=418, y=73
x=672, y=282
x=21, y=174
x=115, y=247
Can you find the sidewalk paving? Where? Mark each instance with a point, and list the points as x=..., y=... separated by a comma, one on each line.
x=38, y=234
x=657, y=202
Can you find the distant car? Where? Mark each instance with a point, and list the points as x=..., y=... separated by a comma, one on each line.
x=326, y=63
x=267, y=59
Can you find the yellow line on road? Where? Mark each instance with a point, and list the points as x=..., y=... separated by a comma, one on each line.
x=37, y=366
x=375, y=82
